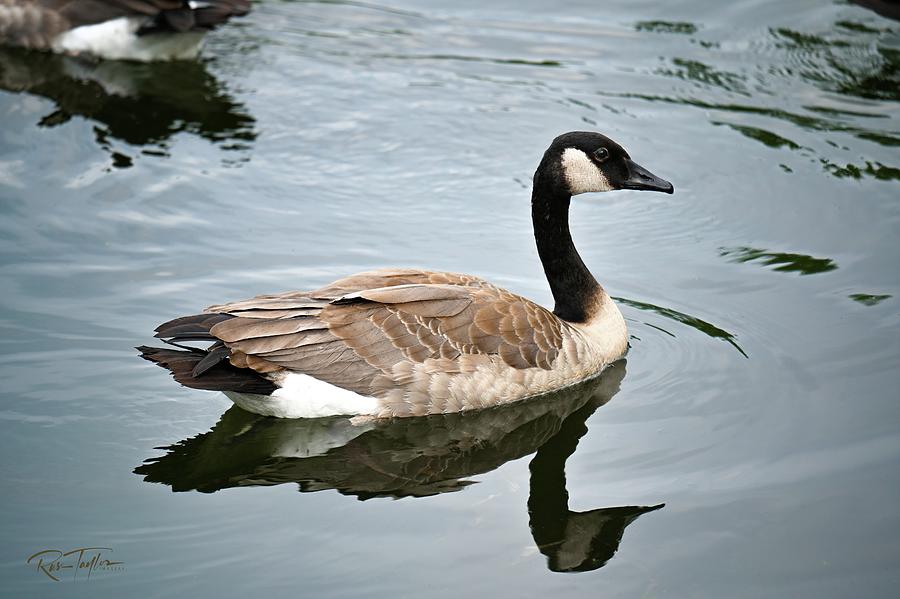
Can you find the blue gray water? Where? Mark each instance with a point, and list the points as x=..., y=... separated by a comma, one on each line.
x=758, y=403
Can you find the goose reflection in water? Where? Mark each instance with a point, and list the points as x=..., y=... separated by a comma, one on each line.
x=143, y=105
x=417, y=457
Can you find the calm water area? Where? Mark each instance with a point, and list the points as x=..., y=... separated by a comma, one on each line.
x=749, y=445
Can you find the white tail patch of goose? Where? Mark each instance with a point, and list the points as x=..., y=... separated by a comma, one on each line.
x=582, y=175
x=302, y=396
x=117, y=39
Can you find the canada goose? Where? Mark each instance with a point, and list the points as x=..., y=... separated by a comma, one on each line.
x=117, y=29
x=392, y=343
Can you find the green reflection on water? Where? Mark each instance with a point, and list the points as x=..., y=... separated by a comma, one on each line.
x=872, y=168
x=880, y=81
x=852, y=171
x=880, y=138
x=691, y=321
x=761, y=135
x=868, y=299
x=694, y=70
x=681, y=27
x=851, y=59
x=859, y=27
x=805, y=121
x=782, y=261
x=853, y=66
x=805, y=40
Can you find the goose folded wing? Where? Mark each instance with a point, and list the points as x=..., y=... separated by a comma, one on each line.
x=91, y=12
x=362, y=340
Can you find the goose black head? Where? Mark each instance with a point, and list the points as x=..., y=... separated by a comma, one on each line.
x=583, y=161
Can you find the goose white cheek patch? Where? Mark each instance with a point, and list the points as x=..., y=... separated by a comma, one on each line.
x=582, y=175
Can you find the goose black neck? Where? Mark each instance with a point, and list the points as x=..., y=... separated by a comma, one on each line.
x=574, y=288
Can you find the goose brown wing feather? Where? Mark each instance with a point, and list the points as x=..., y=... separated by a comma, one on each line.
x=364, y=337
x=389, y=277
x=84, y=12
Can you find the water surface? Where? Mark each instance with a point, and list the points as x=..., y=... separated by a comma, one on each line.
x=749, y=446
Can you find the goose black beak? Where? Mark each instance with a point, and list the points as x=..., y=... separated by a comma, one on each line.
x=641, y=178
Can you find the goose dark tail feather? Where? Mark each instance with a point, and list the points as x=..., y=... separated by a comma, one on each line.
x=190, y=328
x=221, y=376
x=202, y=368
x=196, y=15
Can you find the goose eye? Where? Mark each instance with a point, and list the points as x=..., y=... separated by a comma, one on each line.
x=601, y=154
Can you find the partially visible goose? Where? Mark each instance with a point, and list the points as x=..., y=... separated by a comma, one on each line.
x=392, y=343
x=142, y=30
